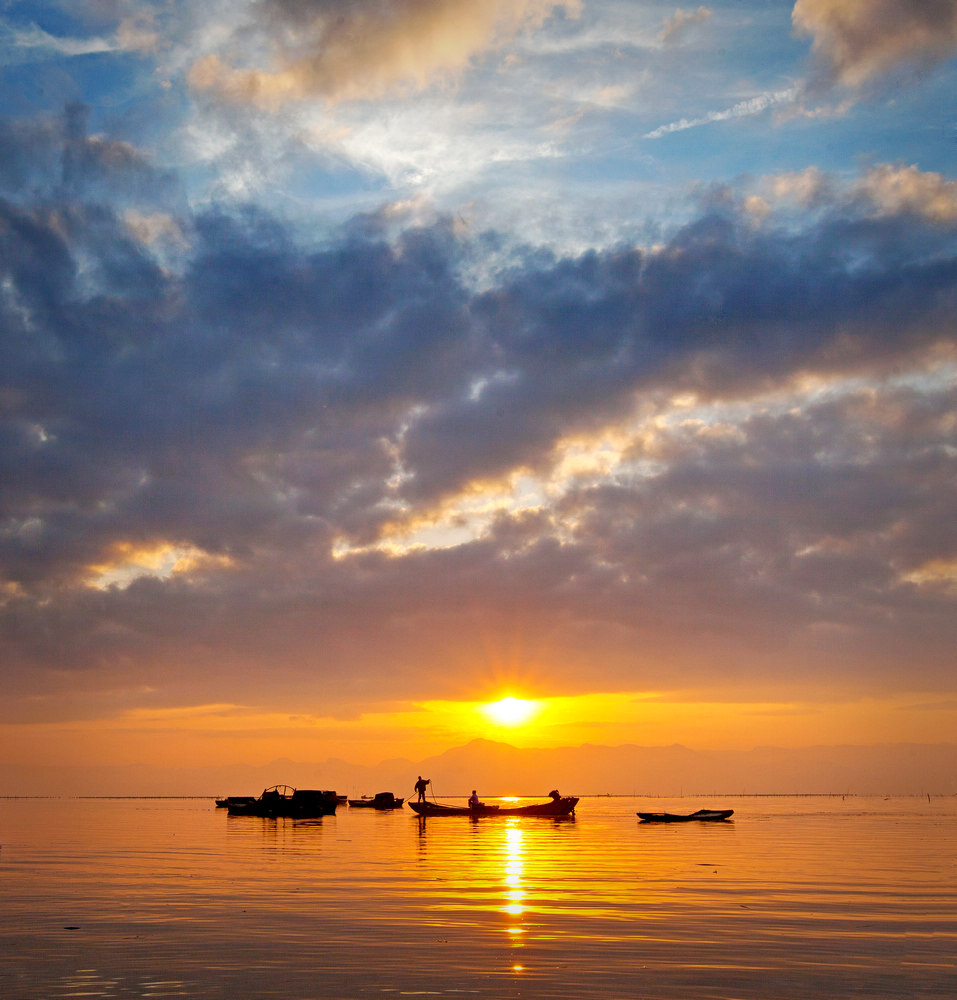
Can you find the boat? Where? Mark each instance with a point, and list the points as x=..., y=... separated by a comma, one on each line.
x=381, y=800
x=564, y=805
x=702, y=815
x=224, y=803
x=284, y=800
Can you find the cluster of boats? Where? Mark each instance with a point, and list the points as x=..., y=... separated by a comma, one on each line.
x=306, y=803
x=301, y=803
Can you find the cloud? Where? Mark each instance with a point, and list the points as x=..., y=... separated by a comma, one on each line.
x=737, y=440
x=34, y=37
x=903, y=189
x=681, y=22
x=133, y=33
x=367, y=49
x=857, y=42
x=886, y=189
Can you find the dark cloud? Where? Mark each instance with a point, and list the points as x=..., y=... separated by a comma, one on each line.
x=262, y=400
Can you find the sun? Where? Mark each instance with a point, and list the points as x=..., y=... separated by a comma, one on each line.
x=510, y=711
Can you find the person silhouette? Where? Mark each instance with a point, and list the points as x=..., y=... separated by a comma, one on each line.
x=420, y=787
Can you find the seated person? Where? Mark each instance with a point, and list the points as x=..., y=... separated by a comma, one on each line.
x=474, y=800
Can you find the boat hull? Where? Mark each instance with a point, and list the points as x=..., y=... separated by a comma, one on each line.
x=564, y=806
x=701, y=816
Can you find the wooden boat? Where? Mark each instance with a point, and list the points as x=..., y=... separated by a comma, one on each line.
x=702, y=815
x=562, y=806
x=381, y=800
x=284, y=800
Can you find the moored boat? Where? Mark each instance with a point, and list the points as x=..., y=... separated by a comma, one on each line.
x=702, y=815
x=381, y=800
x=284, y=800
x=564, y=805
x=224, y=803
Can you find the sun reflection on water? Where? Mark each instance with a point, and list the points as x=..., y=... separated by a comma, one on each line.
x=514, y=870
x=142, y=898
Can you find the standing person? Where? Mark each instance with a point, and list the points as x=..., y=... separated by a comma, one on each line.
x=420, y=787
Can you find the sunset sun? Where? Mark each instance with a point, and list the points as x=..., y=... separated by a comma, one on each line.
x=510, y=711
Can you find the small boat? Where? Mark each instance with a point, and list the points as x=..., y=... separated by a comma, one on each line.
x=224, y=803
x=381, y=800
x=702, y=815
x=562, y=806
x=284, y=800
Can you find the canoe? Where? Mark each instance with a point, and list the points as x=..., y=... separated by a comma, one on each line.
x=381, y=800
x=564, y=806
x=702, y=815
x=284, y=800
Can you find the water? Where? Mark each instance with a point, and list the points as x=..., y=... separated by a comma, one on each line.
x=799, y=897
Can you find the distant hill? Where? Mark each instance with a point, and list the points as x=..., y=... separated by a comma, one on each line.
x=500, y=769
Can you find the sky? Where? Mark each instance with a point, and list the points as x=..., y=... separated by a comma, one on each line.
x=365, y=362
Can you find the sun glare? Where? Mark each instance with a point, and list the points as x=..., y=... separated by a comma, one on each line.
x=510, y=711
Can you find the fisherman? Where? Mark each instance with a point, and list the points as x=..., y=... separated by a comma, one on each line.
x=553, y=794
x=420, y=787
x=474, y=800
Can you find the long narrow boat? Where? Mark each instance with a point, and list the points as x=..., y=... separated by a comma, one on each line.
x=702, y=815
x=563, y=806
x=284, y=800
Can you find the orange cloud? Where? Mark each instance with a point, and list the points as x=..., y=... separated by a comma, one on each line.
x=889, y=189
x=861, y=40
x=897, y=189
x=368, y=49
x=127, y=562
x=679, y=22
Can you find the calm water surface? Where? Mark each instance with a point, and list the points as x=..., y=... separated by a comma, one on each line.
x=797, y=898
